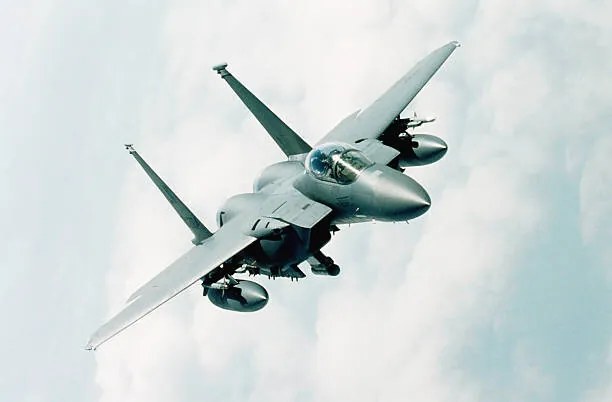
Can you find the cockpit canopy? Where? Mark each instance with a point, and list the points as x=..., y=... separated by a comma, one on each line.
x=336, y=162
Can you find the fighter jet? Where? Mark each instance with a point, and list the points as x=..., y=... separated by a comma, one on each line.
x=354, y=174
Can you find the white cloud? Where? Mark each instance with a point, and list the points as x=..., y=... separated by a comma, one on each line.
x=533, y=383
x=393, y=326
x=407, y=334
x=596, y=226
x=595, y=200
x=603, y=392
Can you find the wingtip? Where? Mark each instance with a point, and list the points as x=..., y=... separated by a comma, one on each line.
x=220, y=69
x=455, y=43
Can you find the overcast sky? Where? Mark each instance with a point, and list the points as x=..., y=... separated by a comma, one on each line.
x=500, y=292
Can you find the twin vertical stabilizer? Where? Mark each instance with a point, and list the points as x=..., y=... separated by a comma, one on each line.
x=199, y=230
x=287, y=139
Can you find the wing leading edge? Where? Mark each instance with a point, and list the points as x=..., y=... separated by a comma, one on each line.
x=372, y=121
x=228, y=241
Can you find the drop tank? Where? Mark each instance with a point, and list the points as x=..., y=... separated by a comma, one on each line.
x=245, y=296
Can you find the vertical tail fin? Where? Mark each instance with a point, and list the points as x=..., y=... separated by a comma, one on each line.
x=287, y=139
x=199, y=230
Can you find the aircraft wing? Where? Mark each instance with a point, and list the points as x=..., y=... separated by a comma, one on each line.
x=228, y=241
x=372, y=122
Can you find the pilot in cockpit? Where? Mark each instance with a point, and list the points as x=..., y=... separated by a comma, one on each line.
x=337, y=163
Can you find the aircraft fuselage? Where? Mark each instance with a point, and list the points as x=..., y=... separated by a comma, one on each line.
x=378, y=193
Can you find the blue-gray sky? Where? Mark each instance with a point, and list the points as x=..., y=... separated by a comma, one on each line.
x=500, y=292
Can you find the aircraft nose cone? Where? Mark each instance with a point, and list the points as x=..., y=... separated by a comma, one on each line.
x=385, y=194
x=398, y=197
x=409, y=199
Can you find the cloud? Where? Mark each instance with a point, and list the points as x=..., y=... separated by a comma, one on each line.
x=500, y=292
x=411, y=299
x=595, y=205
x=410, y=332
x=596, y=224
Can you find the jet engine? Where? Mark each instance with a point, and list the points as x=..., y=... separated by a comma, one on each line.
x=245, y=296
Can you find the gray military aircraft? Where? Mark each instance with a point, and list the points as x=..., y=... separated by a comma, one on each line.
x=354, y=174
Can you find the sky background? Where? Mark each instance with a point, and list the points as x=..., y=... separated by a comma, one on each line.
x=500, y=292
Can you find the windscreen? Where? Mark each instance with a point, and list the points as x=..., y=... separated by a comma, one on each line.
x=338, y=163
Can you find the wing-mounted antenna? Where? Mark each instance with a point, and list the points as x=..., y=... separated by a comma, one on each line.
x=199, y=230
x=287, y=139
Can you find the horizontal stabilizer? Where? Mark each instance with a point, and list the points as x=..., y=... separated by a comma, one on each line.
x=199, y=230
x=287, y=139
